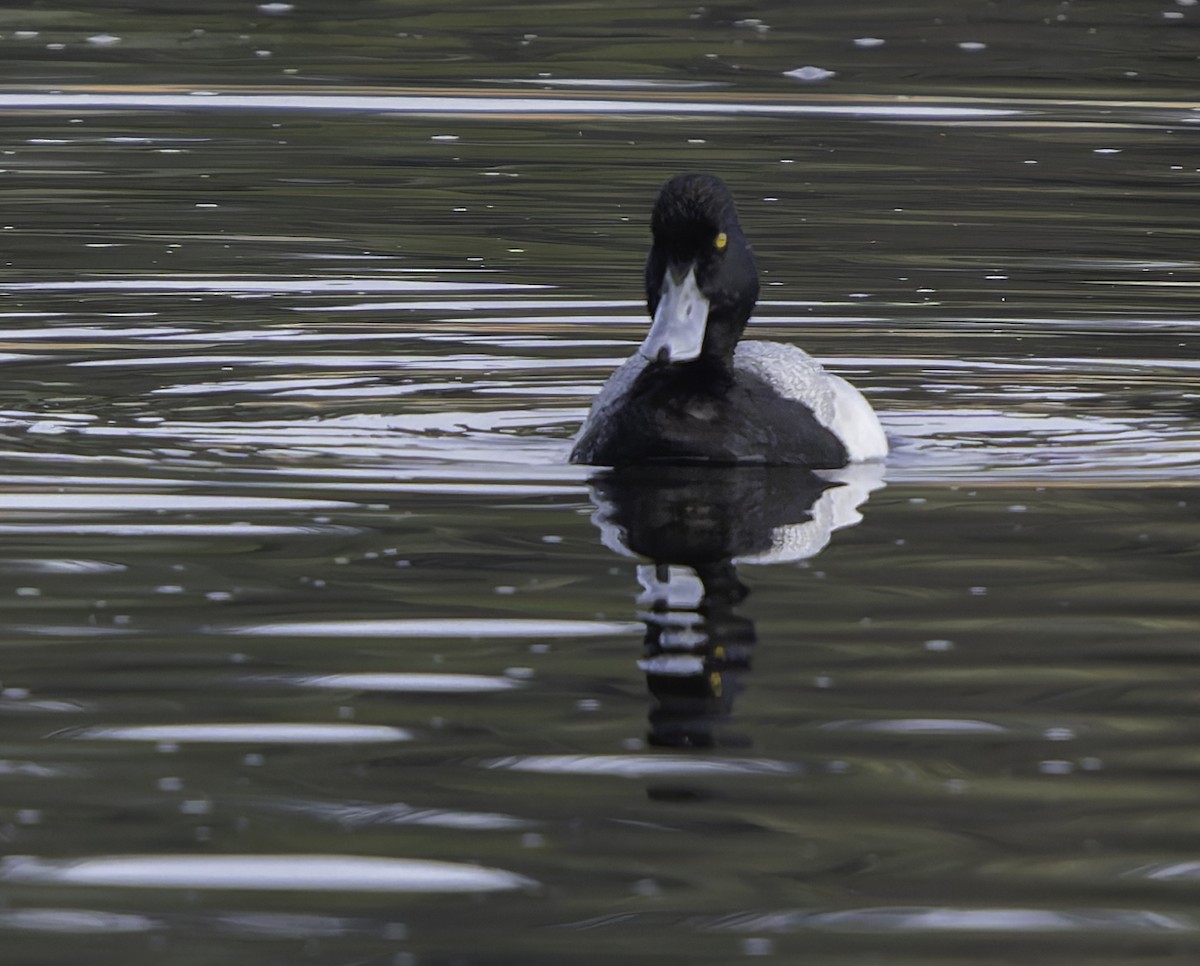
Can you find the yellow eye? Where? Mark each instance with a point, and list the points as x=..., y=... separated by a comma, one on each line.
x=720, y=241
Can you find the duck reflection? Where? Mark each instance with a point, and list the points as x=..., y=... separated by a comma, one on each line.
x=696, y=527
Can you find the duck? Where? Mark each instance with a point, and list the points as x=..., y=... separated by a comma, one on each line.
x=694, y=392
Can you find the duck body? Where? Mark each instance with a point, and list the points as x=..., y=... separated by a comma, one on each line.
x=651, y=412
x=692, y=393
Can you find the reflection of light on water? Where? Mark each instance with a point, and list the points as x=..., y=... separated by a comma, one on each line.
x=73, y=921
x=487, y=305
x=150, y=502
x=1173, y=871
x=410, y=683
x=487, y=408
x=643, y=766
x=615, y=83
x=979, y=445
x=950, y=919
x=226, y=283
x=436, y=627
x=918, y=726
x=499, y=448
x=531, y=106
x=292, y=925
x=15, y=565
x=233, y=530
x=368, y=814
x=292, y=873
x=33, y=769
x=248, y=733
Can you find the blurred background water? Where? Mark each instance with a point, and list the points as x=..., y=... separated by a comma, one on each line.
x=316, y=650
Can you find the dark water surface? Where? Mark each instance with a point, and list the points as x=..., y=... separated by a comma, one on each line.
x=316, y=650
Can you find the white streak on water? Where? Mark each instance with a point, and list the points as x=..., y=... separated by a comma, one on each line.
x=227, y=283
x=917, y=919
x=149, y=502
x=412, y=683
x=369, y=814
x=478, y=305
x=918, y=726
x=74, y=921
x=18, y=565
x=238, y=530
x=291, y=873
x=1172, y=872
x=247, y=733
x=533, y=106
x=436, y=627
x=643, y=766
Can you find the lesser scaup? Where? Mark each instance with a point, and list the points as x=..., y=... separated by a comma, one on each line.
x=692, y=393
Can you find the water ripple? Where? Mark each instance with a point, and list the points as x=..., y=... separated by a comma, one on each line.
x=74, y=921
x=413, y=683
x=245, y=733
x=631, y=766
x=528, y=106
x=142, y=503
x=919, y=726
x=289, y=873
x=951, y=919
x=436, y=627
x=315, y=285
x=367, y=814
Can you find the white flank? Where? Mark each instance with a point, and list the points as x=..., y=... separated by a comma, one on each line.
x=838, y=406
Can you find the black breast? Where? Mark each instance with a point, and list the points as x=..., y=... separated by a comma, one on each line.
x=681, y=414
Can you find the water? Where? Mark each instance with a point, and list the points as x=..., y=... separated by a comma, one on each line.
x=316, y=650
